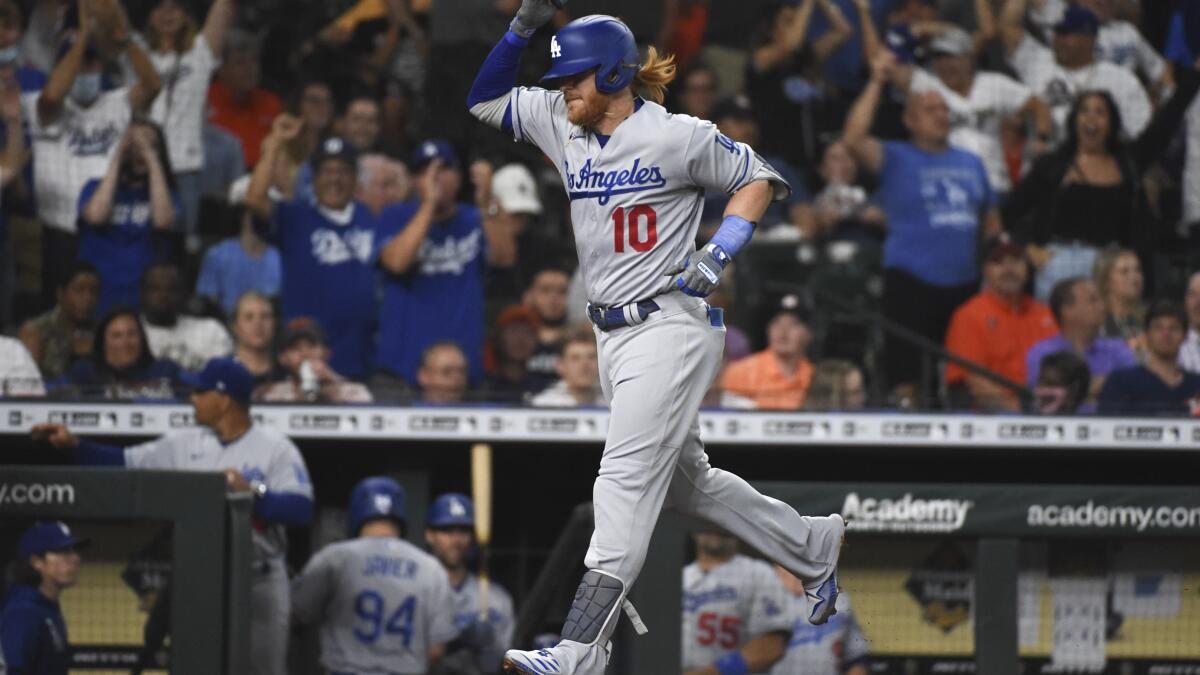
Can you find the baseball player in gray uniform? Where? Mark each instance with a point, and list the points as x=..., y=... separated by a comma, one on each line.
x=735, y=610
x=254, y=459
x=837, y=647
x=450, y=532
x=382, y=604
x=636, y=176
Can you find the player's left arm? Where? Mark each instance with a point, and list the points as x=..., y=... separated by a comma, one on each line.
x=312, y=589
x=715, y=162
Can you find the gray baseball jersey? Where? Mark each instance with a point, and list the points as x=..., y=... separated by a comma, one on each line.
x=500, y=609
x=730, y=605
x=635, y=202
x=261, y=454
x=828, y=649
x=380, y=602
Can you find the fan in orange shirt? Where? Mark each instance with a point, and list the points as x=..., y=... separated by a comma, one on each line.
x=996, y=327
x=777, y=377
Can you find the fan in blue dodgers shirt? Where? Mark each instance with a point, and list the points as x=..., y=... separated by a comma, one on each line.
x=434, y=252
x=325, y=244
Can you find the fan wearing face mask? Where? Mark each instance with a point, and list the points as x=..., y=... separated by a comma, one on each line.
x=77, y=125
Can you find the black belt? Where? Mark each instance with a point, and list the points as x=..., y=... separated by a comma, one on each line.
x=608, y=318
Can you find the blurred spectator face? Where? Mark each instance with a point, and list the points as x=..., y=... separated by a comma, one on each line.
x=1191, y=301
x=301, y=350
x=443, y=375
x=10, y=32
x=715, y=545
x=518, y=341
x=334, y=183
x=1085, y=311
x=954, y=71
x=838, y=165
x=316, y=106
x=360, y=125
x=1093, y=123
x=1006, y=277
x=122, y=342
x=60, y=568
x=577, y=366
x=254, y=323
x=167, y=18
x=160, y=294
x=381, y=182
x=1164, y=337
x=449, y=180
x=547, y=295
x=209, y=406
x=787, y=336
x=855, y=391
x=585, y=105
x=79, y=297
x=1125, y=279
x=928, y=118
x=740, y=129
x=1073, y=50
x=241, y=72
x=449, y=545
x=699, y=93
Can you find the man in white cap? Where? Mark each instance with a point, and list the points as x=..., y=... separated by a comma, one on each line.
x=517, y=206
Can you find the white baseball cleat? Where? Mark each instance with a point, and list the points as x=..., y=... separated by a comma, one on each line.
x=535, y=662
x=822, y=594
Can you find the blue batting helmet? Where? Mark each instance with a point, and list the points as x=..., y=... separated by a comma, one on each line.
x=596, y=41
x=373, y=498
x=452, y=510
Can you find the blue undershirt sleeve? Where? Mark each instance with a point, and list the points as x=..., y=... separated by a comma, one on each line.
x=498, y=74
x=89, y=453
x=287, y=509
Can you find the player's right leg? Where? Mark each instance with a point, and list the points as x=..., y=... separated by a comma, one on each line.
x=806, y=546
x=650, y=372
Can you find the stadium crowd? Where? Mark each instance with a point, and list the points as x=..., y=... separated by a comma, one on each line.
x=1016, y=182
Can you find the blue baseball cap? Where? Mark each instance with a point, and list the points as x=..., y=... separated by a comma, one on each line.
x=43, y=537
x=1078, y=19
x=451, y=510
x=225, y=375
x=434, y=148
x=334, y=148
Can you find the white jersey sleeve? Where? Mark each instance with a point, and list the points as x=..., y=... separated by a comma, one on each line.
x=163, y=452
x=1129, y=95
x=716, y=162
x=1031, y=60
x=539, y=117
x=286, y=471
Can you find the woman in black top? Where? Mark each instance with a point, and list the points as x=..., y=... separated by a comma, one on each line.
x=1088, y=193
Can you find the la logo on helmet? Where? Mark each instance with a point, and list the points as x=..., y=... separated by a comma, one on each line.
x=555, y=50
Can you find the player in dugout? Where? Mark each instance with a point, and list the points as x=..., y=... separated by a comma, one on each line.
x=735, y=610
x=382, y=604
x=484, y=633
x=255, y=459
x=33, y=634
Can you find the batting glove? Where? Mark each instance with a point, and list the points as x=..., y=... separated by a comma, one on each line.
x=533, y=15
x=700, y=273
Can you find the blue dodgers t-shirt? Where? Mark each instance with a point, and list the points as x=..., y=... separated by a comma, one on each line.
x=440, y=297
x=228, y=271
x=934, y=203
x=329, y=275
x=122, y=249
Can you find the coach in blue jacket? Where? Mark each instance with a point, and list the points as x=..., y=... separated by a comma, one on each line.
x=32, y=631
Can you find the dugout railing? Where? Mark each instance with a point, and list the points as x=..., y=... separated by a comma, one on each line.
x=208, y=558
x=988, y=579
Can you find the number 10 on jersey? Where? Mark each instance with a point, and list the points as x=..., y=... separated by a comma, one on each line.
x=638, y=225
